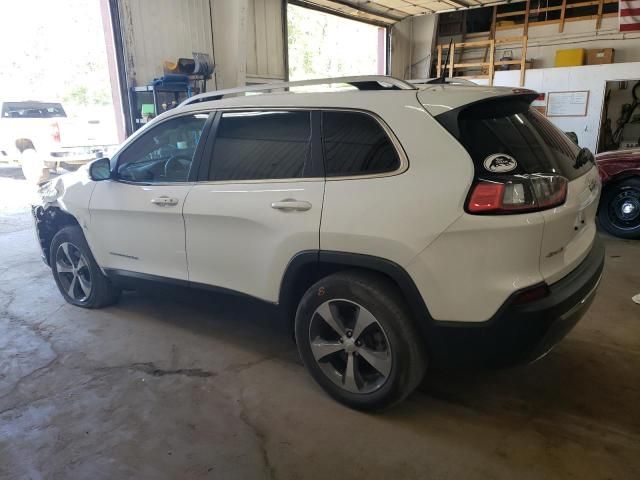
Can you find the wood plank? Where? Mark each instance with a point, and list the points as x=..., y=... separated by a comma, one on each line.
x=521, y=13
x=472, y=64
x=439, y=67
x=452, y=56
x=508, y=62
x=523, y=64
x=551, y=22
x=466, y=44
x=492, y=31
x=492, y=53
x=518, y=13
x=562, y=13
x=599, y=19
x=509, y=40
x=525, y=30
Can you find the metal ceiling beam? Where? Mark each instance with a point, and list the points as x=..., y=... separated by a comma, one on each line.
x=429, y=10
x=457, y=4
x=388, y=15
x=358, y=6
x=310, y=4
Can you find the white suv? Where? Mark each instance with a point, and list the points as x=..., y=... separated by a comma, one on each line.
x=400, y=225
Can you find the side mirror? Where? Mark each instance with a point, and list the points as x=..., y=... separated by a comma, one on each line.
x=100, y=169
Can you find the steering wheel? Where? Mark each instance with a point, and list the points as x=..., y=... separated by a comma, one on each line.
x=177, y=166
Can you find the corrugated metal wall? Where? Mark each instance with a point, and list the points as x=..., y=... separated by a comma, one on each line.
x=246, y=38
x=265, y=40
x=412, y=41
x=158, y=30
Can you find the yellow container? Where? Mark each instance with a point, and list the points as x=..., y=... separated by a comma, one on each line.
x=570, y=58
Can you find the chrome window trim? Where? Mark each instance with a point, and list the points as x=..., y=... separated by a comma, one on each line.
x=134, y=138
x=402, y=155
x=404, y=160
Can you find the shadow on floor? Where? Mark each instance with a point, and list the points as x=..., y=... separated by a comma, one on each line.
x=578, y=380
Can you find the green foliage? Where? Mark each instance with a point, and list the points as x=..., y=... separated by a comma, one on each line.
x=54, y=50
x=323, y=45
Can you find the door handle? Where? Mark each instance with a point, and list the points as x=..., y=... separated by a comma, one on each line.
x=164, y=201
x=291, y=205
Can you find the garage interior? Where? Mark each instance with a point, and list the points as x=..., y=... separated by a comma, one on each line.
x=178, y=383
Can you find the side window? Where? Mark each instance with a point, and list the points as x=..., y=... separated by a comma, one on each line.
x=164, y=153
x=356, y=144
x=261, y=145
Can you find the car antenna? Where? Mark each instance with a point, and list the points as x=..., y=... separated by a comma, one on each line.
x=442, y=77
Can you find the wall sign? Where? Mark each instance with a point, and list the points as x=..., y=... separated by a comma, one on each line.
x=540, y=103
x=567, y=104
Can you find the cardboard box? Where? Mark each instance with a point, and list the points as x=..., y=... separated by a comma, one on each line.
x=570, y=58
x=600, y=56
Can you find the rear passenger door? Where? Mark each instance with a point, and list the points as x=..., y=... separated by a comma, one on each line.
x=258, y=200
x=366, y=198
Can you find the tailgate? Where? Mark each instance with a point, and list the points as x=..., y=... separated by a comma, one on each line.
x=510, y=142
x=570, y=229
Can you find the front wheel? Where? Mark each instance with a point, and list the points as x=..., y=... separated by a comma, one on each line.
x=76, y=272
x=619, y=212
x=357, y=339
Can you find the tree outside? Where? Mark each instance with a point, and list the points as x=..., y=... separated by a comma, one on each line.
x=324, y=45
x=55, y=51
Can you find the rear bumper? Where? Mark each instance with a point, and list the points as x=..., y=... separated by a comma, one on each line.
x=520, y=333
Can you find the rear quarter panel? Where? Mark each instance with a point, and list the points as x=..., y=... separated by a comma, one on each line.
x=397, y=216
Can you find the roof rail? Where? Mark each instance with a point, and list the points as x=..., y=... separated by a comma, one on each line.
x=449, y=80
x=368, y=82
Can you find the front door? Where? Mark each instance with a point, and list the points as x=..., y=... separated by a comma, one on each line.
x=136, y=219
x=258, y=204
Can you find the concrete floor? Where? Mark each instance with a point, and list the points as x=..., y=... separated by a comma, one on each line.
x=180, y=384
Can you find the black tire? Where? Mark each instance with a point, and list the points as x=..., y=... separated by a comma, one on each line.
x=377, y=295
x=611, y=216
x=69, y=244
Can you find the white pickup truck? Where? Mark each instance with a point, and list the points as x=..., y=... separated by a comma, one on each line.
x=40, y=136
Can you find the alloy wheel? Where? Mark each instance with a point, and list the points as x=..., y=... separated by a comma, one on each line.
x=624, y=209
x=73, y=272
x=350, y=346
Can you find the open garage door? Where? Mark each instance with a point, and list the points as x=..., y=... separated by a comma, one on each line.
x=388, y=12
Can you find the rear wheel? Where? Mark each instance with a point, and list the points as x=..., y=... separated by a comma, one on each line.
x=76, y=272
x=619, y=212
x=357, y=339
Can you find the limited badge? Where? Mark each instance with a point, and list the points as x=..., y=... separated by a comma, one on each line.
x=500, y=163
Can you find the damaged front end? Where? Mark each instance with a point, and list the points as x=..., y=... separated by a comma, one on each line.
x=48, y=217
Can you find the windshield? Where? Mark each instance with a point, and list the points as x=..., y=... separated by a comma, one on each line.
x=32, y=110
x=509, y=126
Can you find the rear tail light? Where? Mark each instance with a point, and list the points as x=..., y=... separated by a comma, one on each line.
x=55, y=132
x=517, y=194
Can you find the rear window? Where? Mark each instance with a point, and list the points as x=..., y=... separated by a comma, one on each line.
x=509, y=126
x=355, y=144
x=32, y=110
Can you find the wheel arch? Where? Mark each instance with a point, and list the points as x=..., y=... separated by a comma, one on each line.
x=50, y=221
x=23, y=144
x=620, y=177
x=307, y=267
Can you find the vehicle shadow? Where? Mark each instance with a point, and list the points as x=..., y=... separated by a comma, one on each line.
x=586, y=387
